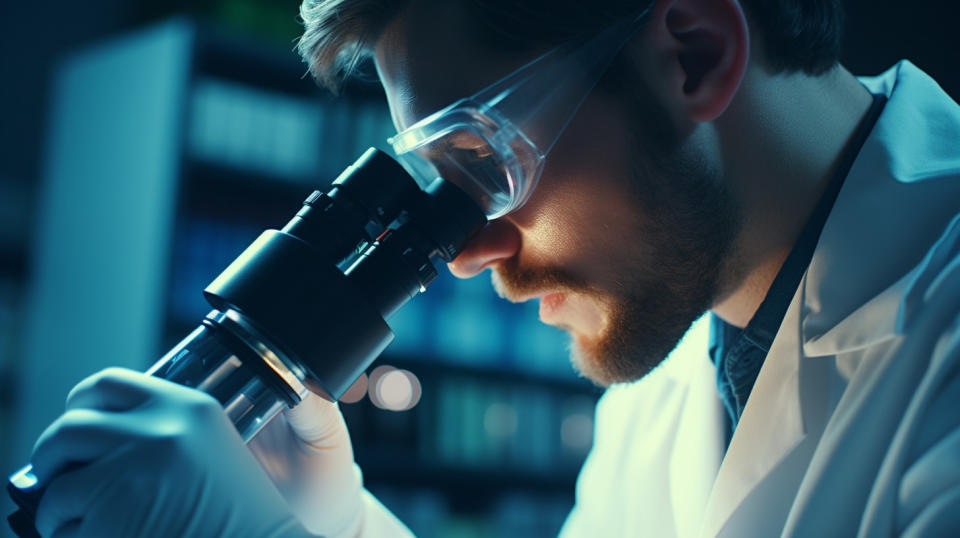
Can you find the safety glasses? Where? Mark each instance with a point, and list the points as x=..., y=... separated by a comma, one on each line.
x=494, y=143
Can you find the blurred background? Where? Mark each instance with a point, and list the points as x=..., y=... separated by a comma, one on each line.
x=144, y=144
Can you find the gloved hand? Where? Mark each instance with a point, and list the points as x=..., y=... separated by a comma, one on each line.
x=306, y=451
x=136, y=455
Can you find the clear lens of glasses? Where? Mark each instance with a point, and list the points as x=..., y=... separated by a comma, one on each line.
x=493, y=144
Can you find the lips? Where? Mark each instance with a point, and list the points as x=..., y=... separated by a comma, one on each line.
x=549, y=304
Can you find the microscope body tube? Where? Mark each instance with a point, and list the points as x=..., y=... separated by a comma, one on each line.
x=227, y=359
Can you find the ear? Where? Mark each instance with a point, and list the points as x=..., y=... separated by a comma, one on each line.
x=706, y=47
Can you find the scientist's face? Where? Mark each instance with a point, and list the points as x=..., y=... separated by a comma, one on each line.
x=624, y=236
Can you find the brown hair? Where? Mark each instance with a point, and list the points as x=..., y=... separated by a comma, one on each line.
x=797, y=35
x=338, y=33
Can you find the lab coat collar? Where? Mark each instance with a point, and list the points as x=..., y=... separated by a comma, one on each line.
x=870, y=259
x=859, y=278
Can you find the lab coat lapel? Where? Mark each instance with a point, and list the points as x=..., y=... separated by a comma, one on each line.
x=766, y=433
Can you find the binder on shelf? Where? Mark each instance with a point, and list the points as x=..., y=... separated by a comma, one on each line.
x=202, y=249
x=472, y=442
x=447, y=436
x=250, y=128
x=532, y=447
x=499, y=421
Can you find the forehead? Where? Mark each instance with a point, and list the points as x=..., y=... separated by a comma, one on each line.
x=431, y=55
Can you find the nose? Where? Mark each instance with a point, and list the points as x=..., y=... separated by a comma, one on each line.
x=498, y=241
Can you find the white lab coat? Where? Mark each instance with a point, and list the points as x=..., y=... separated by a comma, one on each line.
x=853, y=425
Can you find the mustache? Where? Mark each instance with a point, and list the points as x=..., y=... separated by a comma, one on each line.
x=513, y=282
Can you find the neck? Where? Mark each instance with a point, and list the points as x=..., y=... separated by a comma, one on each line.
x=797, y=129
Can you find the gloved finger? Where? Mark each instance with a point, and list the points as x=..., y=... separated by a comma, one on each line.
x=66, y=500
x=78, y=436
x=111, y=389
x=104, y=495
x=316, y=421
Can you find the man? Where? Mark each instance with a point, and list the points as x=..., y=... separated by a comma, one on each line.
x=724, y=162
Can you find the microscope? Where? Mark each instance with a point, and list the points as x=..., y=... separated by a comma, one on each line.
x=304, y=308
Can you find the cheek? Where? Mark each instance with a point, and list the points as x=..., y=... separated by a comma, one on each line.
x=582, y=218
x=584, y=214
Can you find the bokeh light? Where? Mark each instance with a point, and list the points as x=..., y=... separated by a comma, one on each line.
x=393, y=389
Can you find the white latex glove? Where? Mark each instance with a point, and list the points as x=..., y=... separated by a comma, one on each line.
x=306, y=451
x=136, y=455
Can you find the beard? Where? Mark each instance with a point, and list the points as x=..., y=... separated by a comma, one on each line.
x=679, y=265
